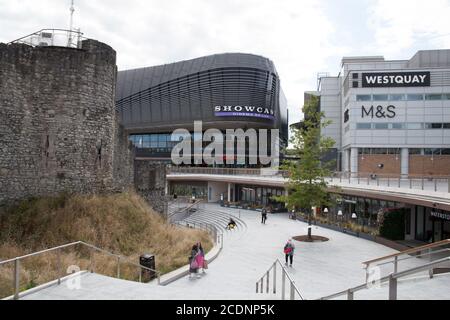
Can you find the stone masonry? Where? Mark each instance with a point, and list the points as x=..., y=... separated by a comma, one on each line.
x=59, y=131
x=150, y=182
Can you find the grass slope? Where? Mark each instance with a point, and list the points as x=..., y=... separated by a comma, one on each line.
x=121, y=223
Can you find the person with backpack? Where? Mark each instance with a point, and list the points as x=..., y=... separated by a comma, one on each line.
x=289, y=252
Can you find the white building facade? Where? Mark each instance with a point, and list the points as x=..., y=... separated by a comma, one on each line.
x=390, y=117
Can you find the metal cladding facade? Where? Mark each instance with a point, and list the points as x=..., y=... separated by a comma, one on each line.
x=171, y=96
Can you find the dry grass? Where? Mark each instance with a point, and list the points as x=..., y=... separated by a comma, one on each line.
x=122, y=223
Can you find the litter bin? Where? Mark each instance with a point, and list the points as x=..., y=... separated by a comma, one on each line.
x=148, y=261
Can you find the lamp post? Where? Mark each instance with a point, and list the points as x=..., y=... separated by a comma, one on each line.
x=340, y=214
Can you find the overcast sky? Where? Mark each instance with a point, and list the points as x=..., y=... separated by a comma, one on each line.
x=302, y=37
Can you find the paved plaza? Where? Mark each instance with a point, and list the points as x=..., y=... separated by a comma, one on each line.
x=320, y=269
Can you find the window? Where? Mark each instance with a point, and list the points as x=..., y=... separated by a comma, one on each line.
x=415, y=151
x=433, y=97
x=355, y=76
x=433, y=125
x=446, y=125
x=394, y=151
x=355, y=84
x=379, y=151
x=363, y=126
x=364, y=97
x=430, y=152
x=397, y=97
x=399, y=126
x=414, y=97
x=446, y=96
x=146, y=143
x=380, y=97
x=415, y=126
x=381, y=126
x=445, y=152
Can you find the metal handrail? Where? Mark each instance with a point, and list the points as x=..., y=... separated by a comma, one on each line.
x=186, y=209
x=410, y=251
x=395, y=257
x=120, y=259
x=217, y=234
x=285, y=274
x=392, y=278
x=71, y=34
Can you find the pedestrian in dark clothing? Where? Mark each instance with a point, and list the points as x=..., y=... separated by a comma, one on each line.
x=263, y=216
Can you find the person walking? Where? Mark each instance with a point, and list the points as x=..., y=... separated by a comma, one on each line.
x=201, y=258
x=263, y=216
x=289, y=249
x=193, y=261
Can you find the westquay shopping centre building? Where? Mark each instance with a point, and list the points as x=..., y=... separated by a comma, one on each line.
x=391, y=121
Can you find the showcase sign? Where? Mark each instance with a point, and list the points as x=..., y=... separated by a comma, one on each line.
x=244, y=111
x=396, y=79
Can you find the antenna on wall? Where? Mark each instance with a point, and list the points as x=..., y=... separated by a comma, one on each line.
x=72, y=10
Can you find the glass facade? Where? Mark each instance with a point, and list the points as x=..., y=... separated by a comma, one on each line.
x=260, y=196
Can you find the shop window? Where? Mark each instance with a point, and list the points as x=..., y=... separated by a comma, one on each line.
x=430, y=152
x=413, y=151
x=379, y=151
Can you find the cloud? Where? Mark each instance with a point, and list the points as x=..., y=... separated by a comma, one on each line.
x=408, y=25
x=296, y=35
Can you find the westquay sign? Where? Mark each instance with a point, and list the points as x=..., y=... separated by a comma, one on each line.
x=244, y=111
x=396, y=79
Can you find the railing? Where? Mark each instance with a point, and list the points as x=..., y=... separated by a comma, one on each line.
x=438, y=249
x=435, y=183
x=392, y=278
x=418, y=182
x=265, y=279
x=211, y=229
x=265, y=172
x=58, y=250
x=53, y=37
x=184, y=212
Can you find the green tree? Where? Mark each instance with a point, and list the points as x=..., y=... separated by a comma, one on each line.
x=307, y=185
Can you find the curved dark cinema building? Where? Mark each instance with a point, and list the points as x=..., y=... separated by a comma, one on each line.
x=225, y=91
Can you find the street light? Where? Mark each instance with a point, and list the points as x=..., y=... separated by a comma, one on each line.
x=325, y=210
x=354, y=216
x=340, y=213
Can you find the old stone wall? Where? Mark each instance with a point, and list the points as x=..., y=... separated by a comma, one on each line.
x=150, y=182
x=58, y=124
